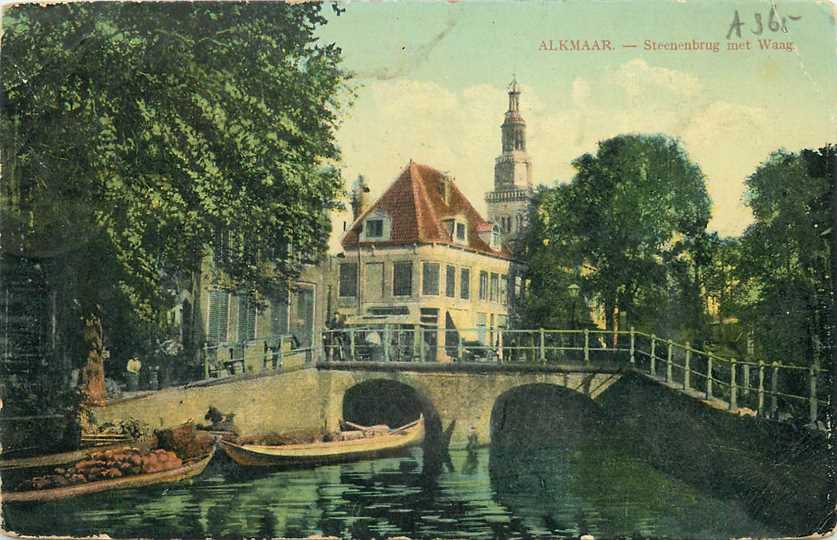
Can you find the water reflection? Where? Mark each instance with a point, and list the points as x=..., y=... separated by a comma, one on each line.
x=550, y=491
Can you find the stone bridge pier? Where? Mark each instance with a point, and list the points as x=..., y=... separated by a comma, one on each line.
x=452, y=398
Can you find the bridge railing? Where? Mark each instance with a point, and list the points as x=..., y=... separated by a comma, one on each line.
x=271, y=353
x=747, y=386
x=421, y=343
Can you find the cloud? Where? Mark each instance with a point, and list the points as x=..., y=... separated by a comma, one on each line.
x=580, y=91
x=638, y=78
x=459, y=131
x=728, y=140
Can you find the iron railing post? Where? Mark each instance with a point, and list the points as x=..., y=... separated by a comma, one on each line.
x=633, y=347
x=352, y=344
x=687, y=368
x=774, y=387
x=460, y=350
x=500, y=344
x=586, y=346
x=543, y=348
x=386, y=343
x=746, y=376
x=812, y=403
x=417, y=338
x=653, y=367
x=709, y=376
x=760, y=402
x=733, y=386
x=420, y=331
x=669, y=377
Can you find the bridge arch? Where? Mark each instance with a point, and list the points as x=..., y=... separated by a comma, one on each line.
x=542, y=414
x=394, y=403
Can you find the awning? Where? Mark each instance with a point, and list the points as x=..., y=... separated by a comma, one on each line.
x=461, y=319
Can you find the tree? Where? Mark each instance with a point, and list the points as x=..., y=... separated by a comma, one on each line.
x=784, y=262
x=632, y=213
x=552, y=271
x=140, y=138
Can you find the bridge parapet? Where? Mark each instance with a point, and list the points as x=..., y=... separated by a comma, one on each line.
x=743, y=386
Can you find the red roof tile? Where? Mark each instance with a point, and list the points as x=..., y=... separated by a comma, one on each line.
x=416, y=205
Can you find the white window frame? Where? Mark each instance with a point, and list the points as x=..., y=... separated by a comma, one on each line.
x=386, y=226
x=464, y=239
x=438, y=278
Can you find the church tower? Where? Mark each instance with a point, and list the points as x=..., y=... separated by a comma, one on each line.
x=508, y=204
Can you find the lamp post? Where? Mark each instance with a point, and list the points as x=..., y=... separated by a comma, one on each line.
x=573, y=289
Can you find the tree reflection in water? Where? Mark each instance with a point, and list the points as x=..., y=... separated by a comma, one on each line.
x=593, y=485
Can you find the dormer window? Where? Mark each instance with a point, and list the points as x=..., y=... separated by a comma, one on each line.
x=374, y=228
x=457, y=230
x=496, y=237
x=461, y=235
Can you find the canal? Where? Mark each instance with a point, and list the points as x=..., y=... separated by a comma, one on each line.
x=593, y=484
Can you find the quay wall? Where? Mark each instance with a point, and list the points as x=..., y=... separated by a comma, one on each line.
x=275, y=403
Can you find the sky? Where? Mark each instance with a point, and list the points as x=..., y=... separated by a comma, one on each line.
x=431, y=77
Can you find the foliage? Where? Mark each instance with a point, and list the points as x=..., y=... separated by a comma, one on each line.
x=630, y=225
x=550, y=303
x=781, y=286
x=140, y=137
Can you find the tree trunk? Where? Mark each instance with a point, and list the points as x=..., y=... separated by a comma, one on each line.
x=93, y=374
x=196, y=324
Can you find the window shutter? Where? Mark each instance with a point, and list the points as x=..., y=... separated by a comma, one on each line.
x=246, y=318
x=218, y=311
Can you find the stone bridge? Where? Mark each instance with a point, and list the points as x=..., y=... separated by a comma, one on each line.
x=453, y=397
x=458, y=398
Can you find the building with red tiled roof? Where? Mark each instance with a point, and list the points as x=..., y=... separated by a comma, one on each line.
x=421, y=257
x=424, y=206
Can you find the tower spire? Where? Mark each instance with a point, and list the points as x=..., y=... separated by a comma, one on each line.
x=514, y=95
x=512, y=168
x=514, y=127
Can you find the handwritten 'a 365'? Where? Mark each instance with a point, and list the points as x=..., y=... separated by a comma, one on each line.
x=774, y=23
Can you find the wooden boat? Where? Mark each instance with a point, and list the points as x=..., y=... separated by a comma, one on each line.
x=188, y=470
x=61, y=458
x=317, y=453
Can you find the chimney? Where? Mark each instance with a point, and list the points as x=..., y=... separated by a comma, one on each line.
x=360, y=197
x=445, y=187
